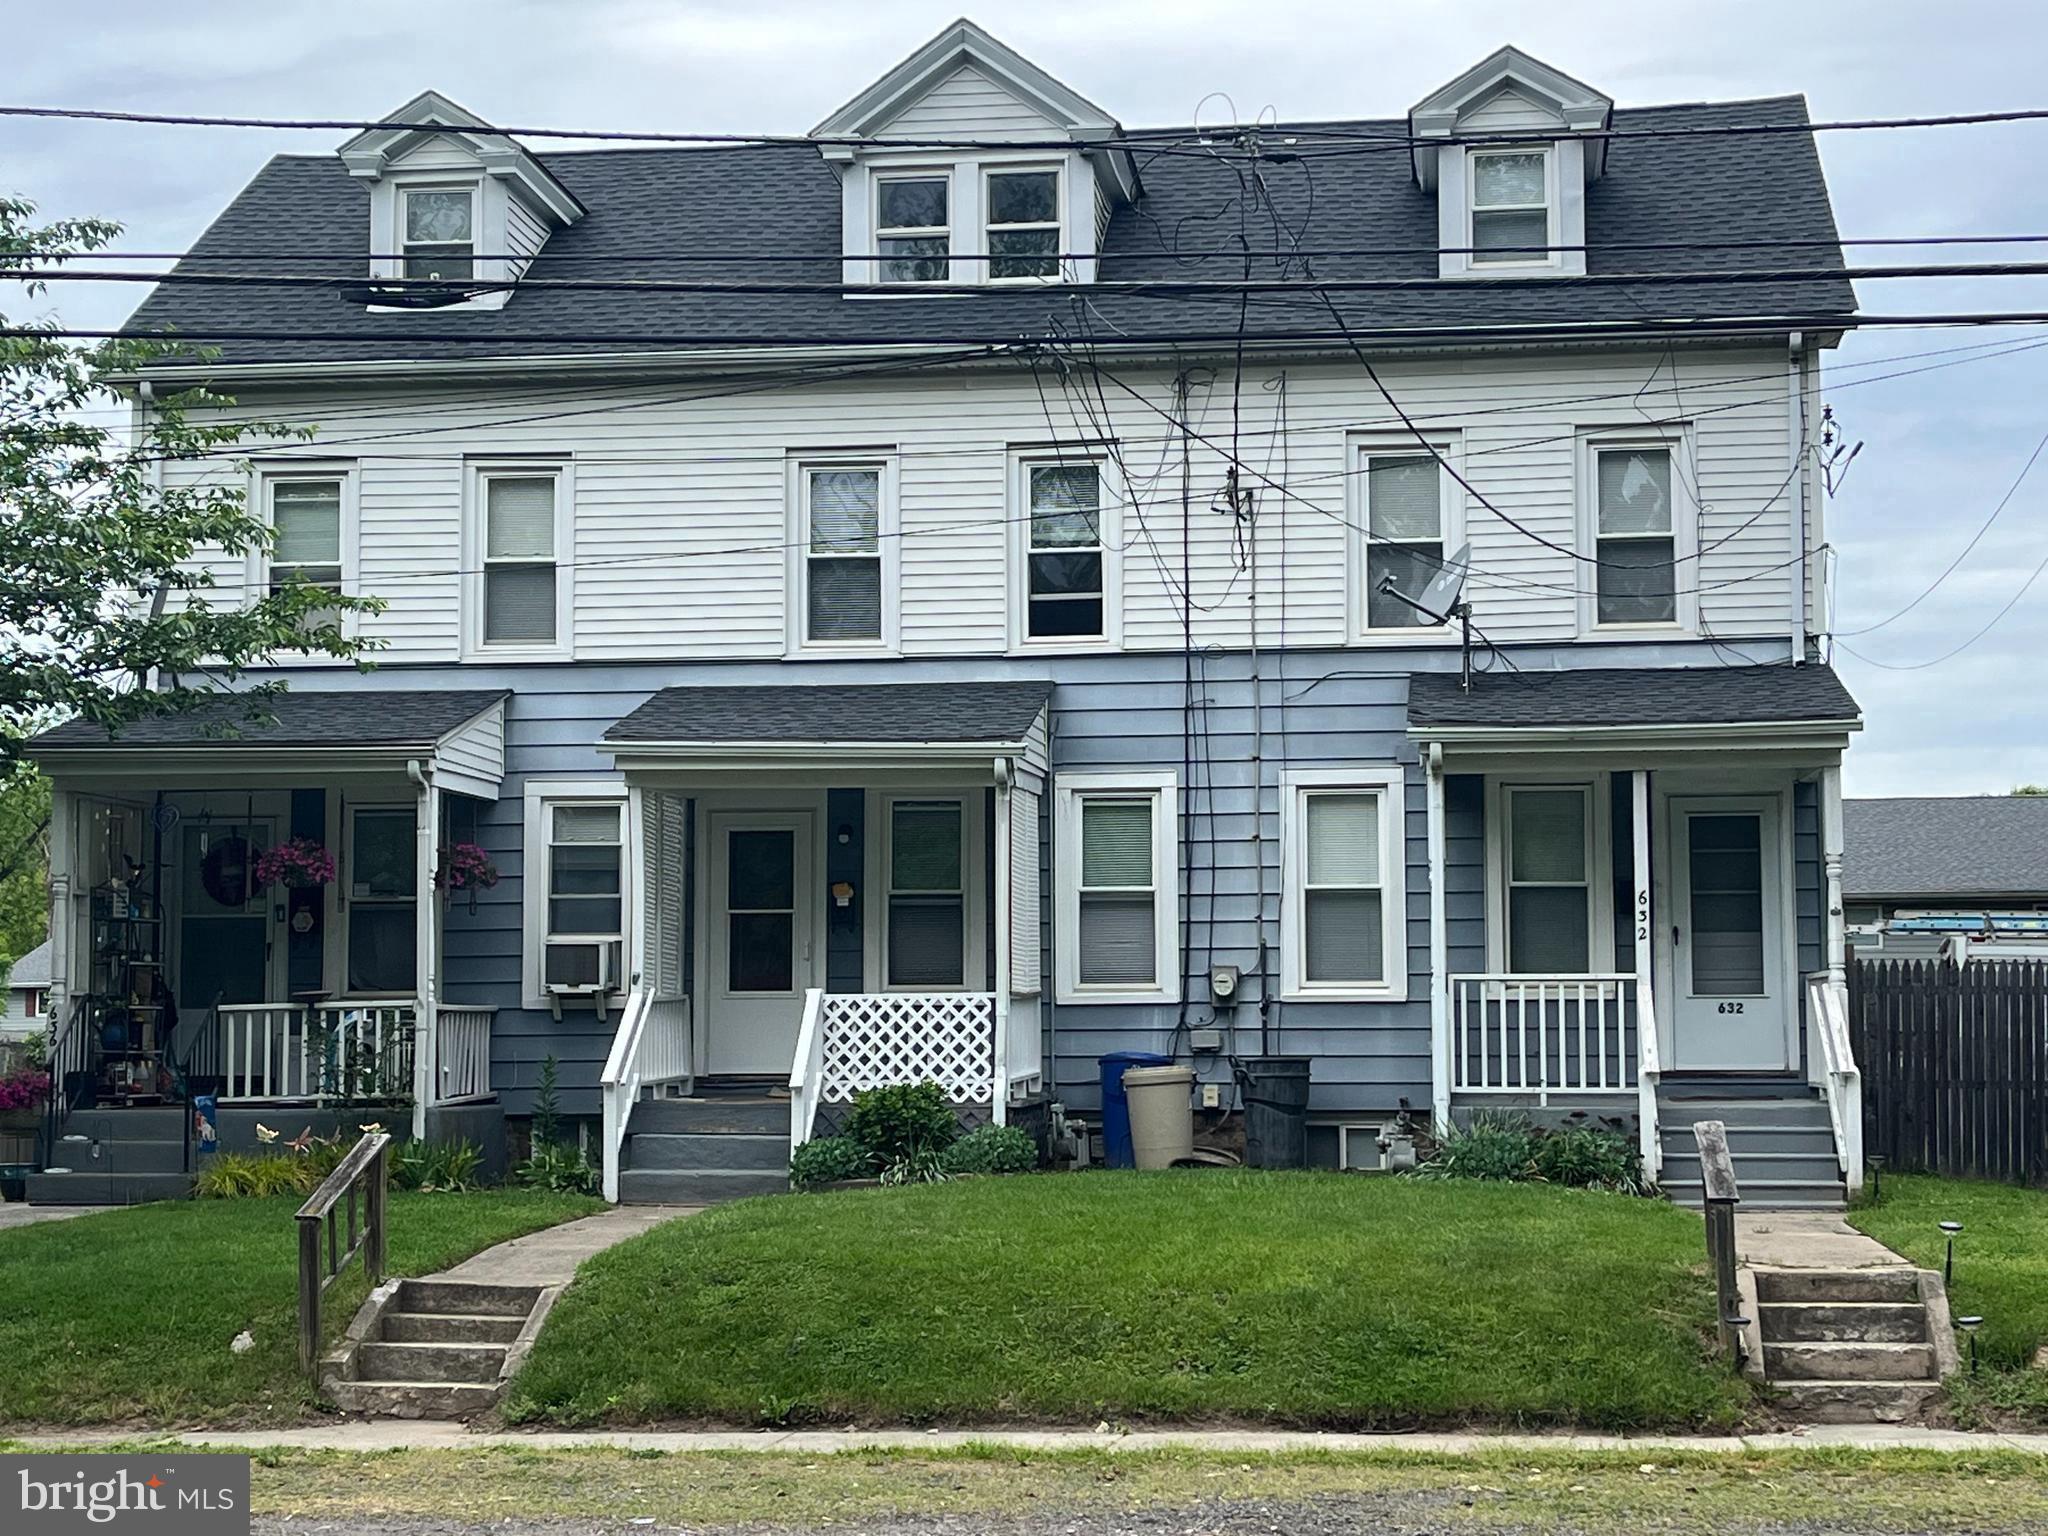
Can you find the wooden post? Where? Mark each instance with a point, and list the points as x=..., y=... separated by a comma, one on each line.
x=373, y=1234
x=1717, y=1189
x=310, y=1288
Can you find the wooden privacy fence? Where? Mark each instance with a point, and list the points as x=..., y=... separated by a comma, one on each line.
x=1955, y=1065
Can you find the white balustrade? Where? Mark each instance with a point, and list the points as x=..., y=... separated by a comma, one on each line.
x=651, y=1046
x=1536, y=1036
x=1827, y=1018
x=281, y=1052
x=853, y=1041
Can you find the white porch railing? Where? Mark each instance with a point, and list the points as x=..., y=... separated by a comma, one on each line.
x=651, y=1046
x=851, y=1041
x=462, y=1037
x=1544, y=1035
x=1827, y=1019
x=281, y=1052
x=1649, y=1070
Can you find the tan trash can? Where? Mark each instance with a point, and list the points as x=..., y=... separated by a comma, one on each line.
x=1162, y=1114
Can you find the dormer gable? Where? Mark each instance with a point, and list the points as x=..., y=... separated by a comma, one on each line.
x=453, y=203
x=968, y=165
x=1501, y=146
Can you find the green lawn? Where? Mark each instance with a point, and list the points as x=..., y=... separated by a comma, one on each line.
x=2001, y=1273
x=127, y=1315
x=1287, y=1298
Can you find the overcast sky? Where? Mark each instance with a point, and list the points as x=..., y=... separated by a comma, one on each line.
x=1941, y=447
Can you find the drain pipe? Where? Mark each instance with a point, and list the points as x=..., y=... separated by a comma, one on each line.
x=1795, y=404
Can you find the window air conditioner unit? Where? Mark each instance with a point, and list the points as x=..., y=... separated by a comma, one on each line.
x=574, y=969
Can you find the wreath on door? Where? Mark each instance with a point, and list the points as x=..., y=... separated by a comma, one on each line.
x=224, y=871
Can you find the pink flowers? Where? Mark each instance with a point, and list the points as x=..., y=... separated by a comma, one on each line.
x=25, y=1088
x=466, y=867
x=298, y=863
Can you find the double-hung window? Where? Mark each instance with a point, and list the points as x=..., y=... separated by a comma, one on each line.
x=1635, y=534
x=521, y=599
x=1023, y=224
x=1510, y=207
x=914, y=227
x=927, y=894
x=1343, y=855
x=1548, y=877
x=1065, y=595
x=383, y=895
x=1410, y=512
x=305, y=530
x=575, y=889
x=1119, y=897
x=844, y=563
x=439, y=233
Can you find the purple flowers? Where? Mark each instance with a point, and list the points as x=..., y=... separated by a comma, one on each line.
x=25, y=1088
x=466, y=867
x=298, y=863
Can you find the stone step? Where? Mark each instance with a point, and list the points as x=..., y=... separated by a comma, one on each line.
x=414, y=1399
x=1822, y=1322
x=467, y=1298
x=1748, y=1140
x=85, y=1187
x=1784, y=1195
x=661, y=1186
x=706, y=1151
x=381, y=1361
x=1857, y=1402
x=715, y=1116
x=450, y=1328
x=1854, y=1361
x=1889, y=1283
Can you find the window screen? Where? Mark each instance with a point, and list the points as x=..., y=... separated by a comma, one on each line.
x=1118, y=895
x=1064, y=596
x=843, y=554
x=1548, y=890
x=1343, y=913
x=1510, y=206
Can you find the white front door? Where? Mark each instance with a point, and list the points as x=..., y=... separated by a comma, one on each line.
x=1729, y=995
x=760, y=956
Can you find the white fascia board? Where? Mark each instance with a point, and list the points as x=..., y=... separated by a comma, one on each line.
x=829, y=754
x=1725, y=736
x=962, y=43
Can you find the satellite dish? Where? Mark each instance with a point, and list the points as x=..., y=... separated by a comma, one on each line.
x=1440, y=598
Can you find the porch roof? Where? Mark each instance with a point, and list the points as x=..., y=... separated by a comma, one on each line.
x=252, y=736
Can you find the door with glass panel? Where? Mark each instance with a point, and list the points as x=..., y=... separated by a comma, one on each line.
x=759, y=956
x=925, y=941
x=1729, y=997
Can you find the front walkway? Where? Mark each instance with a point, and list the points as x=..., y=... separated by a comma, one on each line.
x=18, y=1213
x=551, y=1256
x=1808, y=1240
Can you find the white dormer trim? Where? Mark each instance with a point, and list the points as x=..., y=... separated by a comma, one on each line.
x=1549, y=111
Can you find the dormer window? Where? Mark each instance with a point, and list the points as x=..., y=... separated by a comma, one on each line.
x=440, y=233
x=913, y=228
x=1023, y=225
x=1510, y=206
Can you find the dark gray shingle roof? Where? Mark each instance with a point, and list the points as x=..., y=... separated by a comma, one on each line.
x=1975, y=845
x=32, y=969
x=908, y=713
x=784, y=199
x=1632, y=696
x=362, y=717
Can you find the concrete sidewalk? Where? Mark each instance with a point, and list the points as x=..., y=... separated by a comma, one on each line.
x=373, y=1435
x=550, y=1256
x=1808, y=1240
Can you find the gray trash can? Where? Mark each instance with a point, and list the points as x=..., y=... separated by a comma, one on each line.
x=1162, y=1114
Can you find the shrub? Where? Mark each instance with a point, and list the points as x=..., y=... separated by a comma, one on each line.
x=829, y=1159
x=561, y=1169
x=436, y=1166
x=254, y=1175
x=1493, y=1146
x=922, y=1166
x=1590, y=1157
x=992, y=1149
x=902, y=1122
x=1507, y=1147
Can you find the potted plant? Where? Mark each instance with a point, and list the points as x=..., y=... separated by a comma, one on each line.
x=297, y=864
x=465, y=867
x=23, y=1093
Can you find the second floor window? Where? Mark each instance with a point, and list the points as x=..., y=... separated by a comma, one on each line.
x=1404, y=545
x=440, y=233
x=305, y=526
x=1063, y=596
x=1636, y=543
x=1510, y=206
x=519, y=558
x=913, y=228
x=842, y=544
x=1023, y=224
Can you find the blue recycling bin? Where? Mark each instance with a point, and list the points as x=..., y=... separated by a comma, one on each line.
x=1116, y=1108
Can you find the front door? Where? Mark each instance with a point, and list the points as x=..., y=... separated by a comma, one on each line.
x=1729, y=1008
x=760, y=953
x=225, y=933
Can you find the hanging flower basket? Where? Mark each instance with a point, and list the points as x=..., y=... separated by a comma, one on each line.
x=298, y=864
x=465, y=867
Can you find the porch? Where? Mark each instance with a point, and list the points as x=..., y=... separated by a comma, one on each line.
x=835, y=888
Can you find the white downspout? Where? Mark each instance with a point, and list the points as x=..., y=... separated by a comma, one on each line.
x=1795, y=377
x=1000, y=1106
x=426, y=942
x=1439, y=945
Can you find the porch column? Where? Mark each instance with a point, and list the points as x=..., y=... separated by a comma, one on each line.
x=1439, y=947
x=63, y=859
x=1831, y=863
x=1639, y=807
x=1648, y=1059
x=426, y=942
x=999, y=1110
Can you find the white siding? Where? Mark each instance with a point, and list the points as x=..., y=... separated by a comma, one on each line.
x=525, y=233
x=967, y=104
x=680, y=521
x=477, y=751
x=1507, y=111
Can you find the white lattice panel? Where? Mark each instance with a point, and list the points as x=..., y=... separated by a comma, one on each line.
x=1024, y=924
x=875, y=1039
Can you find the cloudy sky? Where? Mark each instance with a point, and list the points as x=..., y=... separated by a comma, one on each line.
x=1941, y=448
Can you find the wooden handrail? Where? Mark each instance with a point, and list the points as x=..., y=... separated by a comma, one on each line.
x=1717, y=1190
x=322, y=1257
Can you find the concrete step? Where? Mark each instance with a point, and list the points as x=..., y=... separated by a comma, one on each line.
x=1892, y=1283
x=1781, y=1195
x=86, y=1187
x=1822, y=1322
x=467, y=1298
x=1751, y=1140
x=415, y=1399
x=450, y=1328
x=381, y=1361
x=152, y=1122
x=658, y=1186
x=713, y=1116
x=706, y=1151
x=1742, y=1114
x=1849, y=1361
x=1857, y=1402
x=1759, y=1168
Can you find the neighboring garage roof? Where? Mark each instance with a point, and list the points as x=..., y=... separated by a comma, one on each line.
x=1637, y=696
x=32, y=969
x=1968, y=845
x=354, y=717
x=902, y=714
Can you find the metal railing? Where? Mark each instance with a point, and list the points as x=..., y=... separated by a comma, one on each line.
x=1719, y=1197
x=359, y=1180
x=651, y=1046
x=1827, y=1016
x=69, y=1058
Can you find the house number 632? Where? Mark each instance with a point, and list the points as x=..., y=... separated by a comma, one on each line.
x=1729, y=1008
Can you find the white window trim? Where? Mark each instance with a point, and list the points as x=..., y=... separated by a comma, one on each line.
x=1069, y=790
x=475, y=473
x=1360, y=450
x=1058, y=170
x=1599, y=790
x=966, y=204
x=349, y=901
x=943, y=172
x=541, y=795
x=889, y=552
x=403, y=248
x=1685, y=517
x=262, y=478
x=1110, y=531
x=973, y=872
x=1552, y=209
x=1565, y=180
x=1389, y=782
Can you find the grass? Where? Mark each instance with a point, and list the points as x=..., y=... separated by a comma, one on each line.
x=1585, y=1492
x=2001, y=1275
x=127, y=1316
x=1282, y=1298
